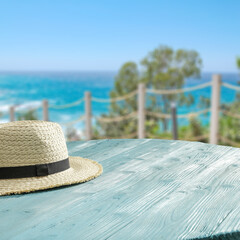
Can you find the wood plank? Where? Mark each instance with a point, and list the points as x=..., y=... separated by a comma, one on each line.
x=150, y=189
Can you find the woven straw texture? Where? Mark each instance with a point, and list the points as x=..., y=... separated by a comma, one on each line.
x=36, y=142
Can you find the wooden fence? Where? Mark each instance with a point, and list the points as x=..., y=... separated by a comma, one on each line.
x=141, y=113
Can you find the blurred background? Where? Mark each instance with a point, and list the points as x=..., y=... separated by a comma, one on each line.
x=123, y=69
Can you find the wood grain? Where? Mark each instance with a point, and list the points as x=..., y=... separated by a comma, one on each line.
x=150, y=189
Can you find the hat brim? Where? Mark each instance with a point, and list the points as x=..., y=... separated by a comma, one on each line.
x=81, y=170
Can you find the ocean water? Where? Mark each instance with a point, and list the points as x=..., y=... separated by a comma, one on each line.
x=28, y=89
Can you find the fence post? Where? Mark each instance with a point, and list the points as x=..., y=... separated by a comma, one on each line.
x=141, y=111
x=45, y=110
x=215, y=104
x=88, y=116
x=12, y=114
x=174, y=121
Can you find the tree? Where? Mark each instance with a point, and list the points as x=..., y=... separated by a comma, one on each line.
x=165, y=68
x=162, y=68
x=29, y=115
x=238, y=62
x=126, y=81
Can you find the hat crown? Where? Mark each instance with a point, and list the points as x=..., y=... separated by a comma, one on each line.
x=25, y=143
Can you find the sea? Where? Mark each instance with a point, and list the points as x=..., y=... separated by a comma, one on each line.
x=26, y=90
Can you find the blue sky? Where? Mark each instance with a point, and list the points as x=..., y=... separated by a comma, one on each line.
x=102, y=35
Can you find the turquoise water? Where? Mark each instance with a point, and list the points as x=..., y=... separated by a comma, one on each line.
x=28, y=89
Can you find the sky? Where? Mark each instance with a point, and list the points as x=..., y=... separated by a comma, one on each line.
x=101, y=35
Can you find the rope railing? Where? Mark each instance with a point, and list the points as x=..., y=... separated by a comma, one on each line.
x=158, y=115
x=181, y=90
x=197, y=138
x=133, y=93
x=73, y=104
x=117, y=119
x=141, y=111
x=148, y=135
x=95, y=99
x=230, y=114
x=169, y=116
x=116, y=99
x=228, y=85
x=194, y=114
x=82, y=118
x=228, y=141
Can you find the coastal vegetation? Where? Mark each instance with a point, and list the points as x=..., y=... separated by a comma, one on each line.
x=28, y=115
x=162, y=68
x=165, y=68
x=229, y=126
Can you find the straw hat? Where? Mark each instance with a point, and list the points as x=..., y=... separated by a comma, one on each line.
x=34, y=156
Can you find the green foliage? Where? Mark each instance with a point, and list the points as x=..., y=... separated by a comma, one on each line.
x=29, y=115
x=126, y=81
x=166, y=68
x=229, y=126
x=193, y=130
x=163, y=68
x=238, y=62
x=204, y=102
x=189, y=132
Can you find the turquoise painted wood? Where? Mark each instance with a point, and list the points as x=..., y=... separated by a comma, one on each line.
x=150, y=189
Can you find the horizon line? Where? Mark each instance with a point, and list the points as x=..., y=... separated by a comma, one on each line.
x=102, y=71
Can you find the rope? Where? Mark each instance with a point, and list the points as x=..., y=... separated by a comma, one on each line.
x=169, y=116
x=197, y=138
x=158, y=115
x=228, y=141
x=25, y=110
x=74, y=121
x=117, y=119
x=157, y=137
x=105, y=100
x=194, y=114
x=227, y=85
x=175, y=91
x=78, y=102
x=228, y=113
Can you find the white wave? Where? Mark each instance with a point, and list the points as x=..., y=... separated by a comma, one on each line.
x=4, y=107
x=4, y=120
x=28, y=105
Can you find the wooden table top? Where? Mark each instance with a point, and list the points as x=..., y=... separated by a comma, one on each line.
x=149, y=189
